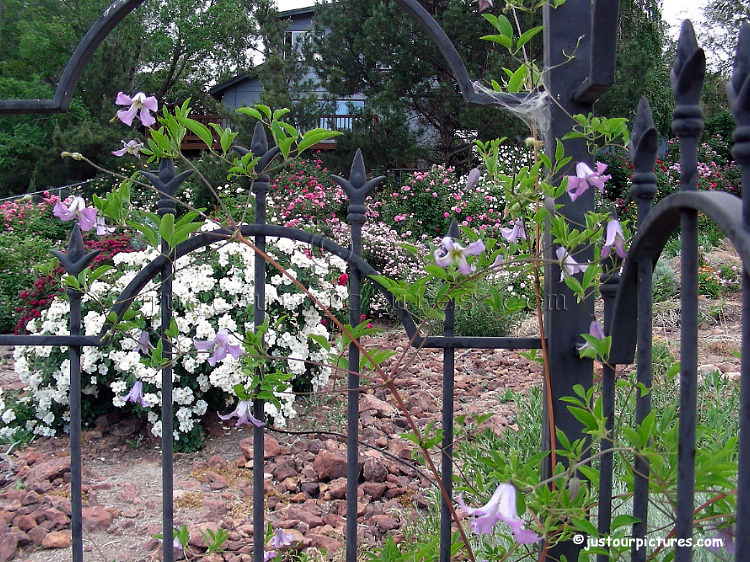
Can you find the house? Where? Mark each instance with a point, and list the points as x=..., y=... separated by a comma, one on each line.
x=245, y=89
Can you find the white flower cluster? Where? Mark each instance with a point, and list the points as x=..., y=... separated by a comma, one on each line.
x=213, y=290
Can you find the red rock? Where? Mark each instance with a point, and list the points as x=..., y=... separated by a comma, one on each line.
x=374, y=489
x=311, y=516
x=30, y=498
x=283, y=470
x=49, y=470
x=329, y=465
x=57, y=539
x=337, y=489
x=128, y=493
x=374, y=471
x=55, y=515
x=322, y=541
x=6, y=516
x=335, y=521
x=271, y=447
x=196, y=538
x=25, y=522
x=63, y=504
x=385, y=522
x=215, y=480
x=8, y=544
x=37, y=535
x=96, y=518
x=217, y=462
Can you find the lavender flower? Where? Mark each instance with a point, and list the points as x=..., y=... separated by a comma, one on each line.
x=243, y=413
x=144, y=345
x=501, y=507
x=136, y=394
x=453, y=252
x=138, y=103
x=615, y=237
x=131, y=147
x=220, y=346
x=595, y=330
x=269, y=555
x=76, y=210
x=513, y=234
x=484, y=4
x=279, y=539
x=568, y=264
x=586, y=177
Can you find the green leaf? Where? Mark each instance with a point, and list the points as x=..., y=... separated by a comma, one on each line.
x=314, y=136
x=516, y=80
x=199, y=129
x=503, y=40
x=166, y=228
x=251, y=111
x=623, y=520
x=265, y=109
x=586, y=526
x=527, y=36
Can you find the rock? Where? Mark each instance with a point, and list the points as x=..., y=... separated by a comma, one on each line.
x=306, y=515
x=312, y=489
x=215, y=480
x=217, y=462
x=25, y=522
x=385, y=523
x=374, y=489
x=374, y=471
x=337, y=489
x=329, y=465
x=8, y=544
x=37, y=535
x=47, y=471
x=128, y=493
x=283, y=470
x=128, y=426
x=56, y=516
x=382, y=408
x=330, y=544
x=271, y=447
x=57, y=539
x=96, y=518
x=196, y=538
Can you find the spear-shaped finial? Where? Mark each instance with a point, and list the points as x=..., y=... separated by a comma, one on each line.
x=259, y=148
x=356, y=187
x=643, y=139
x=689, y=67
x=167, y=182
x=75, y=260
x=453, y=231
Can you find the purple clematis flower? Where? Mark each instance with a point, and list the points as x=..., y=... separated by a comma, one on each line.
x=615, y=238
x=586, y=177
x=269, y=555
x=131, y=147
x=138, y=103
x=484, y=4
x=453, y=252
x=144, y=345
x=472, y=179
x=220, y=346
x=727, y=538
x=76, y=209
x=513, y=234
x=595, y=330
x=501, y=507
x=136, y=394
x=102, y=229
x=243, y=413
x=279, y=539
x=568, y=264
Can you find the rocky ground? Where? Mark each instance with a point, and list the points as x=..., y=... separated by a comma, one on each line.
x=305, y=485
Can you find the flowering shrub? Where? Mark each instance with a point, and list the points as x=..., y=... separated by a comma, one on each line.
x=212, y=293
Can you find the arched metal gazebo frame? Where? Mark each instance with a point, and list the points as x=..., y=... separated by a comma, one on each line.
x=588, y=29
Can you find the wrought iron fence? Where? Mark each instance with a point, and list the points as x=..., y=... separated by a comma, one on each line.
x=627, y=296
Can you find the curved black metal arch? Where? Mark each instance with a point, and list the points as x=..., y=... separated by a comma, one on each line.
x=94, y=37
x=724, y=209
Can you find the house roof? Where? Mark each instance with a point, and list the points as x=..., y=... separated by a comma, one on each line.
x=217, y=90
x=296, y=12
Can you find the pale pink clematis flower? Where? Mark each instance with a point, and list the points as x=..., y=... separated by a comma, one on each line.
x=568, y=264
x=616, y=238
x=484, y=4
x=501, y=507
x=513, y=234
x=279, y=539
x=76, y=210
x=138, y=103
x=220, y=346
x=595, y=330
x=136, y=395
x=243, y=413
x=453, y=252
x=586, y=177
x=131, y=147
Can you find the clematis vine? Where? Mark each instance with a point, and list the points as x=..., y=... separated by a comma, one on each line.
x=243, y=413
x=586, y=177
x=453, y=252
x=131, y=147
x=568, y=264
x=501, y=507
x=77, y=209
x=139, y=104
x=220, y=347
x=513, y=234
x=136, y=395
x=616, y=238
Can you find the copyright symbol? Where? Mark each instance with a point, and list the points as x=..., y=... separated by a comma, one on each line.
x=578, y=539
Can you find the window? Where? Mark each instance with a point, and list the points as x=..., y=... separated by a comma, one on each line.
x=342, y=119
x=293, y=41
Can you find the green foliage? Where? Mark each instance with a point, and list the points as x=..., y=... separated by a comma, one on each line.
x=664, y=282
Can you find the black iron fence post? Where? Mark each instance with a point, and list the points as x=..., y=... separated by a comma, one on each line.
x=573, y=84
x=166, y=182
x=356, y=189
x=739, y=97
x=74, y=262
x=643, y=190
x=687, y=83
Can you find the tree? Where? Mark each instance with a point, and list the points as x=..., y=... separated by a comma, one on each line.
x=724, y=19
x=374, y=48
x=641, y=52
